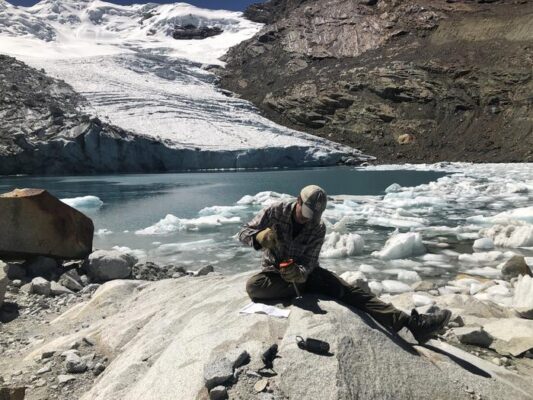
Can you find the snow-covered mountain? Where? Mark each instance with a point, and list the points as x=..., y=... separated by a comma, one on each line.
x=137, y=76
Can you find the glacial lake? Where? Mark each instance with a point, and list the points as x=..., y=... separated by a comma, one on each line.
x=191, y=219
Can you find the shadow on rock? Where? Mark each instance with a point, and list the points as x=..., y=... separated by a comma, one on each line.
x=459, y=361
x=309, y=303
x=9, y=312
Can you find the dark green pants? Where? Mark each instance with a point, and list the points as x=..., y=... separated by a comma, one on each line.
x=270, y=286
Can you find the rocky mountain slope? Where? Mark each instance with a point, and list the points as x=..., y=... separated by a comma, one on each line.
x=403, y=80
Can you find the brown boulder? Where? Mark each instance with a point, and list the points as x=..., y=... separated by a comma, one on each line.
x=36, y=223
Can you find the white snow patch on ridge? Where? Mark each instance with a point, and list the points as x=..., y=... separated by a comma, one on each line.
x=124, y=60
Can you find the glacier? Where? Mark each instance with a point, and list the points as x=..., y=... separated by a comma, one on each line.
x=136, y=76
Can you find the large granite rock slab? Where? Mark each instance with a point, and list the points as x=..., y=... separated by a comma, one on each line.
x=159, y=336
x=34, y=222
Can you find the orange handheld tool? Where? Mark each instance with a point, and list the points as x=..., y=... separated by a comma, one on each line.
x=286, y=264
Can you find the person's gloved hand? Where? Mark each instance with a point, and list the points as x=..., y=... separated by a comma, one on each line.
x=267, y=238
x=293, y=273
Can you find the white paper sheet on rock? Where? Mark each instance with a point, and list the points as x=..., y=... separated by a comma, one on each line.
x=260, y=308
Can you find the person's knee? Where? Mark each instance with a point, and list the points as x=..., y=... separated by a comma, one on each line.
x=254, y=285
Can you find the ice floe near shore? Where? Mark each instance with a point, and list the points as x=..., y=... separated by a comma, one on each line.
x=171, y=224
x=339, y=245
x=84, y=203
x=402, y=245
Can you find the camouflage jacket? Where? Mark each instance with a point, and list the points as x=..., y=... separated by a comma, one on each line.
x=304, y=248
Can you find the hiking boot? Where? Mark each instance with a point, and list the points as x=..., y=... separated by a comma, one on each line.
x=426, y=326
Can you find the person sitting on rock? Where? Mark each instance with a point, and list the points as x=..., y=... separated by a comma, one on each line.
x=294, y=231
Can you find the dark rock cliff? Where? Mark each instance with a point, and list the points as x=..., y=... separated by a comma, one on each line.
x=411, y=80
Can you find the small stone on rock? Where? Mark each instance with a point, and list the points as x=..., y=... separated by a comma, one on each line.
x=261, y=385
x=40, y=286
x=75, y=364
x=218, y=393
x=65, y=378
x=473, y=335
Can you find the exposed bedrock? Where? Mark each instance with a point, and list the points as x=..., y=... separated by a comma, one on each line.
x=163, y=338
x=401, y=80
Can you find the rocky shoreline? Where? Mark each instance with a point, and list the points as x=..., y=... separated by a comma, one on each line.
x=35, y=292
x=57, y=318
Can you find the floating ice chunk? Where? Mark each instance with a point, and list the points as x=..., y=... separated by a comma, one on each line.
x=481, y=258
x=524, y=214
x=264, y=198
x=393, y=188
x=390, y=286
x=487, y=272
x=421, y=300
x=418, y=201
x=401, y=245
x=483, y=244
x=352, y=277
x=392, y=271
x=510, y=235
x=411, y=264
x=337, y=245
x=368, y=269
x=85, y=203
x=468, y=236
x=397, y=221
x=225, y=211
x=342, y=224
x=171, y=224
x=409, y=276
x=103, y=232
x=375, y=287
x=520, y=214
